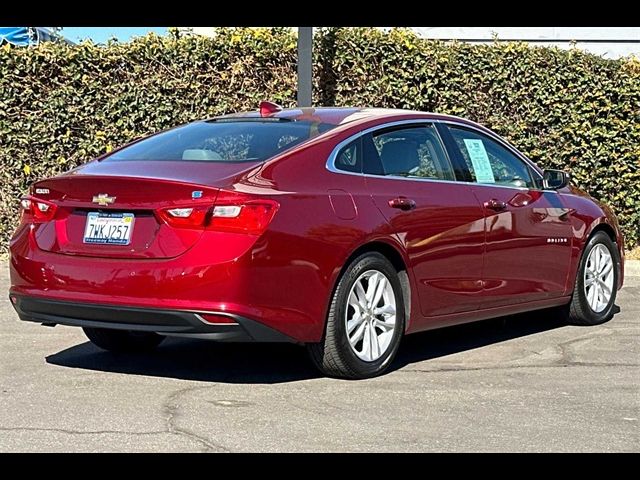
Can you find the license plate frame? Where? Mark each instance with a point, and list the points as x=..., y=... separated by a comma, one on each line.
x=119, y=223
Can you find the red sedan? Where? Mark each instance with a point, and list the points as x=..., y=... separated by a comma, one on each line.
x=339, y=228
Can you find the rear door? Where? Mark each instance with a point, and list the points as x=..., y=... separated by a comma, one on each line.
x=528, y=230
x=438, y=219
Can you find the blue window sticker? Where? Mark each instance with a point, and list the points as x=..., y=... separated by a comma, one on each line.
x=479, y=160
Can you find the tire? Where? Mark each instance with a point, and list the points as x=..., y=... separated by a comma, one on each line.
x=334, y=355
x=580, y=310
x=123, y=340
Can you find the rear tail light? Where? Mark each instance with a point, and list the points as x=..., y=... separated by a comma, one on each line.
x=227, y=211
x=180, y=212
x=185, y=217
x=37, y=210
x=231, y=213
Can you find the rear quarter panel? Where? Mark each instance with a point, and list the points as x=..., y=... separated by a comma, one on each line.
x=323, y=218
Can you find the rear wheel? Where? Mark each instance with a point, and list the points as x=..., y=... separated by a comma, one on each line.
x=595, y=290
x=123, y=340
x=365, y=321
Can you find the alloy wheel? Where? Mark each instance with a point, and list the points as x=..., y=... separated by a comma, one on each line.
x=598, y=278
x=371, y=315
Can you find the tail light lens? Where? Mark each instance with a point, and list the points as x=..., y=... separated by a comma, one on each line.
x=251, y=218
x=231, y=213
x=37, y=210
x=186, y=217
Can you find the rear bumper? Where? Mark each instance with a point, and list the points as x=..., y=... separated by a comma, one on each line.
x=219, y=274
x=167, y=322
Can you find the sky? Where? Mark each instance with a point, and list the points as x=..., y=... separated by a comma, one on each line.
x=102, y=34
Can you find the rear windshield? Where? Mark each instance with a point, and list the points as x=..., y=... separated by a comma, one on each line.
x=223, y=141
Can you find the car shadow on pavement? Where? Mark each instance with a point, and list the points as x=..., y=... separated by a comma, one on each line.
x=202, y=360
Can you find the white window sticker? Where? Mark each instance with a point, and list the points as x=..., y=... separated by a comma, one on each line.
x=480, y=161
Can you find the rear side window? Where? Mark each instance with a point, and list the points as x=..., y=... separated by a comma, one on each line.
x=349, y=158
x=223, y=141
x=413, y=151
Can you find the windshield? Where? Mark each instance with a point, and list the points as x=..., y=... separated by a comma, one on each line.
x=252, y=140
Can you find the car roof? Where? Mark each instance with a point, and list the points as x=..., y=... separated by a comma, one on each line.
x=347, y=117
x=342, y=115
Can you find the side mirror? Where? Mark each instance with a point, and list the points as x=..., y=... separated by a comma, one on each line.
x=555, y=179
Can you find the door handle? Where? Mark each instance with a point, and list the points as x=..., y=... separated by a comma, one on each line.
x=403, y=203
x=495, y=204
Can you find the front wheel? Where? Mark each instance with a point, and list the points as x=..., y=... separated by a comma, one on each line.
x=123, y=340
x=595, y=290
x=365, y=322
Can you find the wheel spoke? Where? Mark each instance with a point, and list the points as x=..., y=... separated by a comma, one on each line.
x=386, y=310
x=354, y=322
x=606, y=269
x=361, y=295
x=366, y=342
x=356, y=304
x=384, y=325
x=605, y=290
x=382, y=284
x=605, y=261
x=358, y=334
x=598, y=295
x=591, y=292
x=371, y=288
x=589, y=281
x=373, y=337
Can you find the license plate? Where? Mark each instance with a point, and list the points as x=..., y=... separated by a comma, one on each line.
x=108, y=228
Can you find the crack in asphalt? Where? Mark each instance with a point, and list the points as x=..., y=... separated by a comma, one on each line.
x=79, y=432
x=566, y=358
x=514, y=367
x=171, y=408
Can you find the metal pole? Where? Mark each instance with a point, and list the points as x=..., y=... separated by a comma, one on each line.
x=305, y=39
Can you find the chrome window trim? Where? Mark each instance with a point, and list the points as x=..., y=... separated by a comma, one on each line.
x=330, y=164
x=334, y=153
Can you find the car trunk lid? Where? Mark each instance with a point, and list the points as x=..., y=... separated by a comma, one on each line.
x=130, y=195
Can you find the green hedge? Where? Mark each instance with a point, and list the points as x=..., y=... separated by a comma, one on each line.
x=61, y=105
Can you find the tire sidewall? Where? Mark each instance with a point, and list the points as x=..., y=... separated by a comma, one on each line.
x=597, y=317
x=362, y=264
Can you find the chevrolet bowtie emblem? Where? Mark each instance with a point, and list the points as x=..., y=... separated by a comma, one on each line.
x=103, y=199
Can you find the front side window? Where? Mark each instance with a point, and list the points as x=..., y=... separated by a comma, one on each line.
x=229, y=140
x=489, y=162
x=413, y=151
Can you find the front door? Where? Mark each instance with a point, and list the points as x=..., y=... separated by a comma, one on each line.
x=438, y=219
x=528, y=230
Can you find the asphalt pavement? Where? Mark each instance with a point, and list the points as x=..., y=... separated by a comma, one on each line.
x=520, y=383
